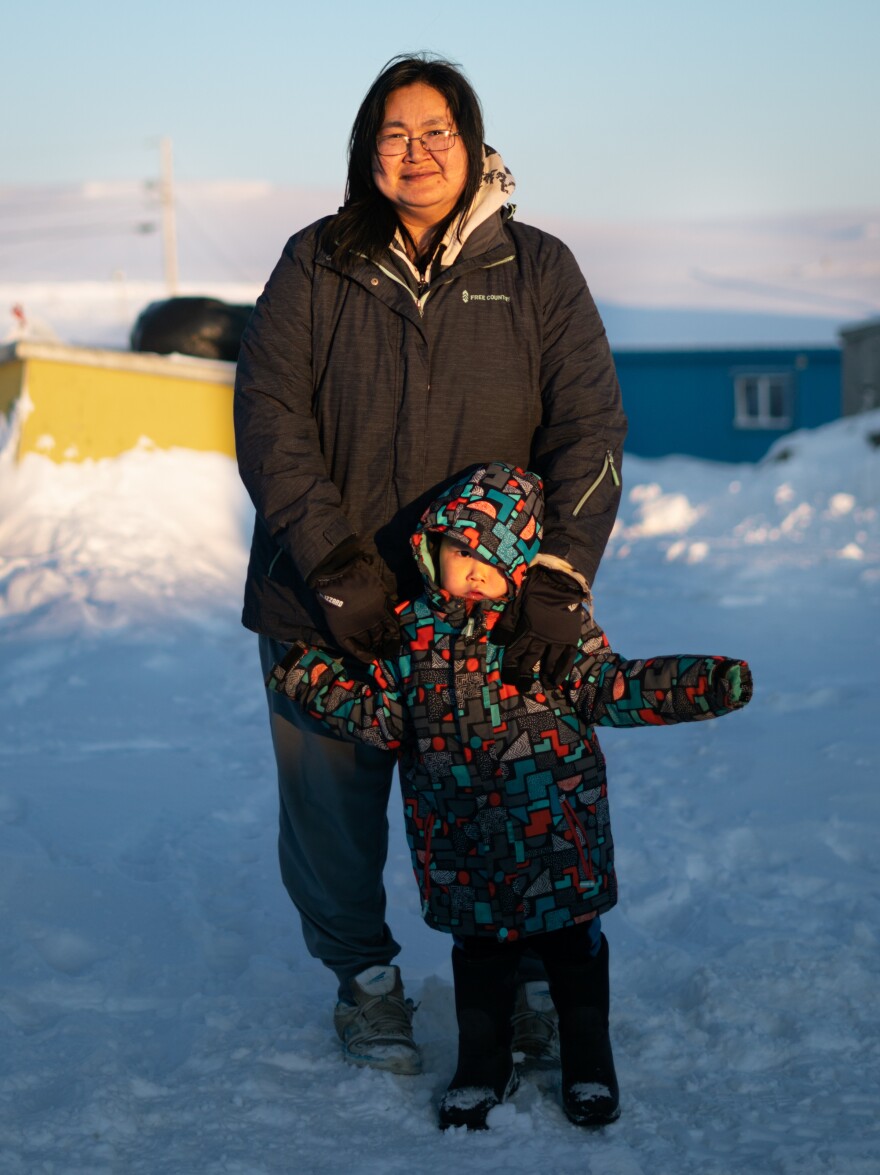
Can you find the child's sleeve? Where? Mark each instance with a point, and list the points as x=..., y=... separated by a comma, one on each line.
x=370, y=711
x=607, y=690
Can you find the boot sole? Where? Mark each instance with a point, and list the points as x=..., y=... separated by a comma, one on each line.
x=590, y=1121
x=482, y=1124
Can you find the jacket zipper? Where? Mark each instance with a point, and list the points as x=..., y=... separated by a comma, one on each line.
x=420, y=302
x=426, y=882
x=500, y=261
x=421, y=299
x=575, y=826
x=607, y=464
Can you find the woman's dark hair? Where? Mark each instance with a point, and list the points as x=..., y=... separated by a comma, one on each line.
x=367, y=221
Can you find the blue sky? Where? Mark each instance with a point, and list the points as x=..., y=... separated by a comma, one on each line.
x=624, y=109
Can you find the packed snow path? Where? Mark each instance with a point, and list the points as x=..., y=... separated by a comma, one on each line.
x=159, y=1013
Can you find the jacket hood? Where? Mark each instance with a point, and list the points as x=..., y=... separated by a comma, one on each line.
x=497, y=186
x=497, y=511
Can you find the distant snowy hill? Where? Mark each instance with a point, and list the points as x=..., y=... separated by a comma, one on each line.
x=88, y=258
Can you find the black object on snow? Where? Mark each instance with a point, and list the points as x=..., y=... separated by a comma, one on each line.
x=205, y=327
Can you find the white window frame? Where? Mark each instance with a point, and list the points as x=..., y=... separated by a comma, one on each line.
x=767, y=382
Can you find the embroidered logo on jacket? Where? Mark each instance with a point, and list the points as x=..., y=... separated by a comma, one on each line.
x=467, y=297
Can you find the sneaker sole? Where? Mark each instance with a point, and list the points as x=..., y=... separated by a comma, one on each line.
x=405, y=1064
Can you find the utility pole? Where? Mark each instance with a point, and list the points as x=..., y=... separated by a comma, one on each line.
x=169, y=227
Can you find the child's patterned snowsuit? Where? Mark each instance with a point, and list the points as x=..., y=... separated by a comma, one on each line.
x=504, y=793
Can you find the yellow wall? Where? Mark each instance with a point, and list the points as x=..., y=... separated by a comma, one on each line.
x=83, y=410
x=10, y=384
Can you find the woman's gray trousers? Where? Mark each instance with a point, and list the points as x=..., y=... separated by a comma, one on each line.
x=333, y=834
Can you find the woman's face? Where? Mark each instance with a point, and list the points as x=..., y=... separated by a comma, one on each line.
x=422, y=187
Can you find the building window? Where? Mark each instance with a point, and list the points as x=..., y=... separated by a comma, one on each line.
x=762, y=401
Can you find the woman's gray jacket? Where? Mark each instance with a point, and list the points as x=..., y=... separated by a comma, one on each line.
x=358, y=397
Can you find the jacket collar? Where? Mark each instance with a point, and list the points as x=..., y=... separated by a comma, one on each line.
x=498, y=185
x=489, y=245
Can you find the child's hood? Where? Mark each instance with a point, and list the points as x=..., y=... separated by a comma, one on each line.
x=495, y=510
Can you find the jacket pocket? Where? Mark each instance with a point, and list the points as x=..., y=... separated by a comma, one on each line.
x=584, y=824
x=608, y=466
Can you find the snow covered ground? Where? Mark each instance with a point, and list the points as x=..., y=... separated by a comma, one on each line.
x=158, y=1011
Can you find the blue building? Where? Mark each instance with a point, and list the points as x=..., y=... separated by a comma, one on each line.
x=725, y=404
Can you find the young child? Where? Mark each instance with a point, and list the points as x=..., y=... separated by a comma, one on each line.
x=504, y=791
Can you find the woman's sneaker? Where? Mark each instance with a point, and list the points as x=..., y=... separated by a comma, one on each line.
x=376, y=1028
x=535, y=1026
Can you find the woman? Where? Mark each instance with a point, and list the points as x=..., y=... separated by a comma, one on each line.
x=416, y=333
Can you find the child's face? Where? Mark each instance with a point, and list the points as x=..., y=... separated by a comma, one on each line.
x=466, y=576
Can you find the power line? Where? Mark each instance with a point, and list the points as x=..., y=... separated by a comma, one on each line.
x=73, y=232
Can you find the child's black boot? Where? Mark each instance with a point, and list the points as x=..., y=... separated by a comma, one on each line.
x=580, y=991
x=484, y=997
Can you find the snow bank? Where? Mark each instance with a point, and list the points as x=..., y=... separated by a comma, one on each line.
x=140, y=539
x=814, y=497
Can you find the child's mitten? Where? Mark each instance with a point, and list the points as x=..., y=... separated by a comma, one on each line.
x=731, y=684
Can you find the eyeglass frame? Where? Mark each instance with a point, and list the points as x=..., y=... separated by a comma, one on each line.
x=448, y=139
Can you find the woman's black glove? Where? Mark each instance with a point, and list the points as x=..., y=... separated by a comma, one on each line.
x=356, y=606
x=541, y=625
